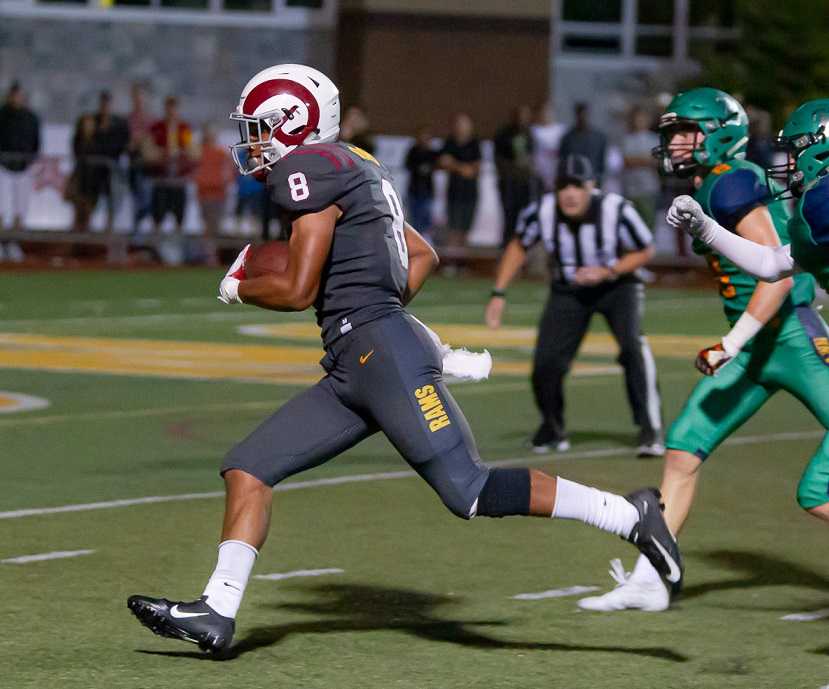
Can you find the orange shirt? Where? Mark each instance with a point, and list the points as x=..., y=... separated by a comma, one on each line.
x=214, y=173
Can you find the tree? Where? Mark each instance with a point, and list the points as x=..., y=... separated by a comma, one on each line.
x=780, y=58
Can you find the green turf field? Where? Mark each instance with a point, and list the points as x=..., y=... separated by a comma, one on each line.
x=423, y=599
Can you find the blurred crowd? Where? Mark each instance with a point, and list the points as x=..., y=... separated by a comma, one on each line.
x=158, y=160
x=526, y=152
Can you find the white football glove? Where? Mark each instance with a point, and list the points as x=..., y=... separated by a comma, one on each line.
x=229, y=286
x=459, y=364
x=687, y=215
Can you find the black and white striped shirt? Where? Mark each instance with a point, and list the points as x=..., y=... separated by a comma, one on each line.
x=610, y=228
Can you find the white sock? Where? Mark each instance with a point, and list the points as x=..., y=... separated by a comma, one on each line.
x=644, y=572
x=226, y=586
x=595, y=507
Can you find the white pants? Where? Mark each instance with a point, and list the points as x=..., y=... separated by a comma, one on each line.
x=15, y=190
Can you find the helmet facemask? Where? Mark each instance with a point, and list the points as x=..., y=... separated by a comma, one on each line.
x=790, y=175
x=267, y=137
x=681, y=160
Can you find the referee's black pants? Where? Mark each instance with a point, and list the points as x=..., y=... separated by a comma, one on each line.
x=563, y=325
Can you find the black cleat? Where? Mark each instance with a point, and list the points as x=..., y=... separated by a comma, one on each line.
x=196, y=622
x=652, y=537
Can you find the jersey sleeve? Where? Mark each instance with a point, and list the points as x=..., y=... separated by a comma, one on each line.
x=528, y=226
x=815, y=211
x=735, y=195
x=308, y=180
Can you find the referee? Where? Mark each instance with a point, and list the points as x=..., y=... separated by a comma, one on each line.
x=596, y=242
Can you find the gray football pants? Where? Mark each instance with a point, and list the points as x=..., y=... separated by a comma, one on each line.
x=383, y=376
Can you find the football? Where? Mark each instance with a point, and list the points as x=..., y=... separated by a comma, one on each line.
x=270, y=257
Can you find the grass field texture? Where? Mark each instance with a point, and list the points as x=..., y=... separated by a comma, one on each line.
x=149, y=380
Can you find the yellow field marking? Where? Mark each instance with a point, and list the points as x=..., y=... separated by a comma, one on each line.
x=168, y=359
x=279, y=364
x=480, y=336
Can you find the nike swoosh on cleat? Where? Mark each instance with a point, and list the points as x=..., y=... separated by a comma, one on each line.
x=231, y=586
x=674, y=573
x=180, y=615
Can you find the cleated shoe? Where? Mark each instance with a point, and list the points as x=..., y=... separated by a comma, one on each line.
x=653, y=538
x=196, y=622
x=629, y=594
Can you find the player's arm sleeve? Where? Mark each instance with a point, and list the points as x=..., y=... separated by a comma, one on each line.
x=528, y=226
x=308, y=181
x=767, y=263
x=634, y=234
x=735, y=195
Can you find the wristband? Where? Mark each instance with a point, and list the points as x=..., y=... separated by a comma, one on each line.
x=502, y=293
x=746, y=327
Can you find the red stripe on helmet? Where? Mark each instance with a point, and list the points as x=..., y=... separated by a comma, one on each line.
x=275, y=87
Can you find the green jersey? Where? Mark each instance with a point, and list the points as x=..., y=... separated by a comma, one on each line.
x=809, y=232
x=729, y=193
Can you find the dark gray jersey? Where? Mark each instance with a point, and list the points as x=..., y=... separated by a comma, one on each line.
x=367, y=268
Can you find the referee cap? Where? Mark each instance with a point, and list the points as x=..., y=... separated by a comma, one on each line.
x=574, y=169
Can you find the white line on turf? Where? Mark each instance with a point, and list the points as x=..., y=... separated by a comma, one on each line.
x=279, y=576
x=556, y=593
x=806, y=616
x=56, y=555
x=381, y=476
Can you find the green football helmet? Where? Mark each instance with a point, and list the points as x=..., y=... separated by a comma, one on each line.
x=715, y=114
x=804, y=139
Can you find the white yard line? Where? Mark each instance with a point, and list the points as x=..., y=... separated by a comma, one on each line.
x=380, y=476
x=20, y=402
x=806, y=616
x=56, y=555
x=556, y=593
x=140, y=413
x=279, y=576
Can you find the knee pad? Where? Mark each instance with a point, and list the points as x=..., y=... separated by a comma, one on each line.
x=505, y=493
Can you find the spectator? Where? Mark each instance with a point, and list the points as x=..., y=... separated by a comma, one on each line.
x=420, y=162
x=461, y=158
x=513, y=161
x=212, y=177
x=19, y=145
x=640, y=180
x=582, y=139
x=354, y=129
x=139, y=122
x=83, y=186
x=546, y=134
x=111, y=140
x=170, y=156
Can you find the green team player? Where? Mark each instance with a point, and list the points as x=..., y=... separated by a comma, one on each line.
x=771, y=345
x=804, y=138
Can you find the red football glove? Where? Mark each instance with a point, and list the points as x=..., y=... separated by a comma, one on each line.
x=711, y=360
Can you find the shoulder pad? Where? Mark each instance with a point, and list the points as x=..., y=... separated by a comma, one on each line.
x=815, y=210
x=310, y=178
x=735, y=194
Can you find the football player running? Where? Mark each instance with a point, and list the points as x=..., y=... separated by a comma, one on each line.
x=355, y=259
x=804, y=138
x=769, y=347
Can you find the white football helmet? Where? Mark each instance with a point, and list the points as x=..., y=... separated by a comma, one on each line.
x=283, y=107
